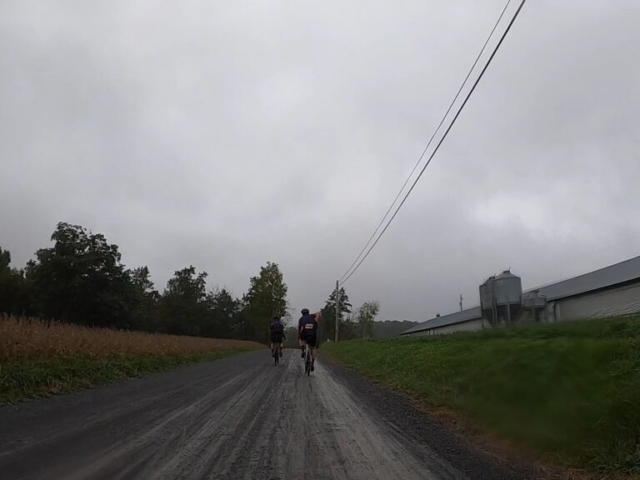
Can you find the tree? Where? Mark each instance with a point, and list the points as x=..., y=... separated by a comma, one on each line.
x=5, y=260
x=7, y=285
x=183, y=307
x=13, y=287
x=141, y=279
x=225, y=320
x=328, y=315
x=81, y=279
x=267, y=296
x=365, y=317
x=391, y=328
x=145, y=300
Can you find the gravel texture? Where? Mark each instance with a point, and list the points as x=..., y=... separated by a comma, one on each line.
x=236, y=418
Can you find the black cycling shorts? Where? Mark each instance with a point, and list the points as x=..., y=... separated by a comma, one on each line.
x=276, y=338
x=310, y=338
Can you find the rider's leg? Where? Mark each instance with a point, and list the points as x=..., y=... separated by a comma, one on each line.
x=313, y=358
x=312, y=346
x=281, y=348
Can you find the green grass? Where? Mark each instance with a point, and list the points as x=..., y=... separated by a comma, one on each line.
x=21, y=380
x=569, y=391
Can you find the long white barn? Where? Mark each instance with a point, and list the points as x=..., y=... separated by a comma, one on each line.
x=610, y=291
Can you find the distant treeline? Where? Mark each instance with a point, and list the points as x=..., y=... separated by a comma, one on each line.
x=391, y=328
x=81, y=280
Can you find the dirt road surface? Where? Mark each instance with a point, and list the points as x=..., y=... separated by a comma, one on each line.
x=235, y=418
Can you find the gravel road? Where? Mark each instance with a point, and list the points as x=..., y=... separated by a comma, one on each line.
x=235, y=418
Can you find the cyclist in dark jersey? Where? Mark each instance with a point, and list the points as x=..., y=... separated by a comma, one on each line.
x=308, y=333
x=277, y=333
x=305, y=311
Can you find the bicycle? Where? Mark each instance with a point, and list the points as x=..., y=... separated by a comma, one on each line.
x=275, y=353
x=307, y=359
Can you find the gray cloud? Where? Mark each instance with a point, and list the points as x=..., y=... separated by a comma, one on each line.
x=227, y=135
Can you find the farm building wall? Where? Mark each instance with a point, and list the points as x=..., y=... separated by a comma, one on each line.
x=599, y=304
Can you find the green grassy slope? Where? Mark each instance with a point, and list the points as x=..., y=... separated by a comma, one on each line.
x=570, y=391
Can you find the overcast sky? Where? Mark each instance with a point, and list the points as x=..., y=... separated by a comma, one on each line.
x=229, y=134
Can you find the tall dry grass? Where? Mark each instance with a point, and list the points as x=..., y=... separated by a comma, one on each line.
x=22, y=339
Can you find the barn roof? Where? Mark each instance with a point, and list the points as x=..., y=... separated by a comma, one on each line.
x=605, y=277
x=451, y=319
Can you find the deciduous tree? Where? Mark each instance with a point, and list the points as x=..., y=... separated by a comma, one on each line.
x=267, y=296
x=80, y=279
x=365, y=316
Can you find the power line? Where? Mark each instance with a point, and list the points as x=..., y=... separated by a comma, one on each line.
x=430, y=140
x=455, y=118
x=504, y=35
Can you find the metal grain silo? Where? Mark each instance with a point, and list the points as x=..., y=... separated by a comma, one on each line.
x=507, y=289
x=488, y=301
x=534, y=305
x=500, y=298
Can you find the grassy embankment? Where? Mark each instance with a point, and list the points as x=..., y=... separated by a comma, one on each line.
x=37, y=360
x=569, y=392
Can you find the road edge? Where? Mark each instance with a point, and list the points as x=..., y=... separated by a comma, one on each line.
x=459, y=443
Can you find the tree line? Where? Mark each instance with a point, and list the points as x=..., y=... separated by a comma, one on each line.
x=80, y=279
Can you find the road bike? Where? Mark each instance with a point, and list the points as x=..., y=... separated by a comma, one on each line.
x=275, y=353
x=308, y=361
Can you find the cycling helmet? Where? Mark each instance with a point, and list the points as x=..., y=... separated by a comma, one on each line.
x=305, y=311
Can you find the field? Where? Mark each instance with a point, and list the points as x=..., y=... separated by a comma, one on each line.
x=566, y=393
x=36, y=359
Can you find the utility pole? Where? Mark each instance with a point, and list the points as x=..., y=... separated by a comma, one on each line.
x=337, y=308
x=460, y=302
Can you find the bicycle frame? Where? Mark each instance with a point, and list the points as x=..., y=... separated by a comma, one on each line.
x=275, y=353
x=307, y=359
